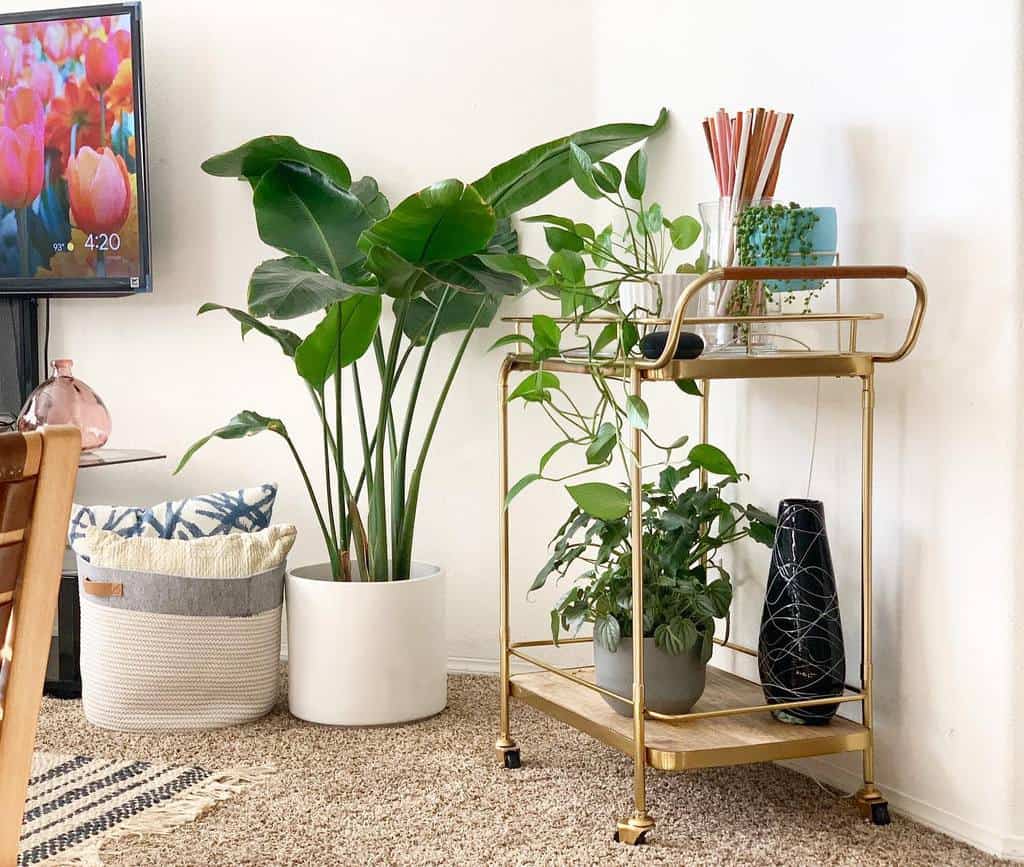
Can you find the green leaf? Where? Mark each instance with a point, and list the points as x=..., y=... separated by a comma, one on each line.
x=350, y=325
x=763, y=533
x=720, y=593
x=367, y=191
x=471, y=274
x=398, y=278
x=630, y=337
x=526, y=480
x=636, y=173
x=603, y=443
x=535, y=386
x=556, y=621
x=552, y=219
x=446, y=220
x=609, y=334
x=526, y=268
x=287, y=340
x=683, y=232
x=460, y=311
x=602, y=249
x=607, y=176
x=651, y=220
x=583, y=171
x=519, y=182
x=551, y=452
x=293, y=286
x=688, y=386
x=562, y=239
x=601, y=500
x=584, y=230
x=245, y=424
x=707, y=644
x=568, y=265
x=546, y=333
x=255, y=158
x=300, y=212
x=510, y=339
x=505, y=239
x=607, y=632
x=637, y=412
x=712, y=459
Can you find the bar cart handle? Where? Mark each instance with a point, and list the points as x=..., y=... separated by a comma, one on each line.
x=836, y=272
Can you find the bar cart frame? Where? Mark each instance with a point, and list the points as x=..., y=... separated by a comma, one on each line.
x=715, y=732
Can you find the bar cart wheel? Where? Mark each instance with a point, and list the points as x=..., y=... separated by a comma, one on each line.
x=880, y=813
x=511, y=759
x=631, y=835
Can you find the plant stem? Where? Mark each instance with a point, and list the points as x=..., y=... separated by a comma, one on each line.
x=398, y=469
x=412, y=501
x=378, y=506
x=332, y=551
x=339, y=458
x=327, y=477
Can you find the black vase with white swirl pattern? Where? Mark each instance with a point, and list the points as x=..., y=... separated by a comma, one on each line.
x=800, y=653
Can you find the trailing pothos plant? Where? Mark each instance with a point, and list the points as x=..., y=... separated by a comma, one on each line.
x=583, y=274
x=685, y=528
x=444, y=258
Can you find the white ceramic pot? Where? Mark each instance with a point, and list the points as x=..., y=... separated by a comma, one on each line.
x=364, y=652
x=647, y=301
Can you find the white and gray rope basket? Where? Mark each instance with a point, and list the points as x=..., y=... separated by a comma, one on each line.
x=169, y=652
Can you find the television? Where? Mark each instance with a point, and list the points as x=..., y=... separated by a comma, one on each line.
x=74, y=218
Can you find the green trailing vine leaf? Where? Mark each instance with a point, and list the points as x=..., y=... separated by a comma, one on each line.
x=601, y=500
x=712, y=459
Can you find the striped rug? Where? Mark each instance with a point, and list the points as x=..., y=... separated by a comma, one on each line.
x=77, y=804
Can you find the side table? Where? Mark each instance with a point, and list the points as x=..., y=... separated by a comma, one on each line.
x=63, y=675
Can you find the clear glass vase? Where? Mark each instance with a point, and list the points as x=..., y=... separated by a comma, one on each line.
x=732, y=297
x=62, y=399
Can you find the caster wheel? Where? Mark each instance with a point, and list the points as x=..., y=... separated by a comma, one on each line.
x=880, y=813
x=512, y=760
x=630, y=840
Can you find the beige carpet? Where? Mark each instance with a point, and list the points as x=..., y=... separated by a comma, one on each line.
x=432, y=794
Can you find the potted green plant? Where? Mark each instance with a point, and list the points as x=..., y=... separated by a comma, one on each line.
x=686, y=528
x=366, y=629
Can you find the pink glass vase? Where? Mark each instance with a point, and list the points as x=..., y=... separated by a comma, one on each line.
x=62, y=399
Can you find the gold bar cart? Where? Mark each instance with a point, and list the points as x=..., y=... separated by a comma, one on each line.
x=730, y=724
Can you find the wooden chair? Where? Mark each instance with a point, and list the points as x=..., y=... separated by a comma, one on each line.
x=37, y=481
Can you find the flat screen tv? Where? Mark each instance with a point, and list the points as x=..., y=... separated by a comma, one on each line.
x=73, y=192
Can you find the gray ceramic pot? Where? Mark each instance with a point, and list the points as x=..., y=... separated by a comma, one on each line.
x=672, y=684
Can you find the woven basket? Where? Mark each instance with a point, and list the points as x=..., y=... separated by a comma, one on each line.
x=167, y=652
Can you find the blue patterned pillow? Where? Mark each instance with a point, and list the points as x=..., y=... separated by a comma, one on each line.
x=245, y=510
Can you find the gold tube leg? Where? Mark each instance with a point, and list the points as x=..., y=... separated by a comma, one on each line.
x=635, y=829
x=870, y=801
x=506, y=749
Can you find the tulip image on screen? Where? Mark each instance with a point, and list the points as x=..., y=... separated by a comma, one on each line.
x=68, y=192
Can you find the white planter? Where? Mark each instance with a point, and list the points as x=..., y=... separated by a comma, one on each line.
x=366, y=653
x=642, y=301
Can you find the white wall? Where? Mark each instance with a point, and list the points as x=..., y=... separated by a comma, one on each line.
x=906, y=120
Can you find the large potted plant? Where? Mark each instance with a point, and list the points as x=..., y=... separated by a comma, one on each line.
x=366, y=629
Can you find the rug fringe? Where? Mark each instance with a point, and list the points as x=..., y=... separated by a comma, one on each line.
x=190, y=805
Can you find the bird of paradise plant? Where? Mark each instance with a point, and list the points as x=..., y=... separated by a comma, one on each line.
x=444, y=258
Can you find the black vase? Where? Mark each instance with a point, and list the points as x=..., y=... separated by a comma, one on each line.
x=800, y=653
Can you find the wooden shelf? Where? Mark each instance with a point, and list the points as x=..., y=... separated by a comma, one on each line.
x=702, y=743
